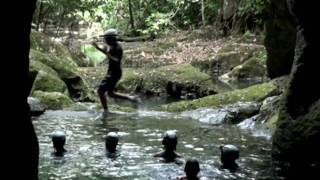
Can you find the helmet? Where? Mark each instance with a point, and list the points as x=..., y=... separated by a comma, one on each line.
x=111, y=33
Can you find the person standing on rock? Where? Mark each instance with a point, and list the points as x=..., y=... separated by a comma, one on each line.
x=113, y=50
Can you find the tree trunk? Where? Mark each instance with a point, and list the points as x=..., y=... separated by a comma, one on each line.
x=131, y=16
x=60, y=23
x=202, y=13
x=39, y=15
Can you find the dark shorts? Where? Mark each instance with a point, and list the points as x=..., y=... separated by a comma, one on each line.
x=109, y=82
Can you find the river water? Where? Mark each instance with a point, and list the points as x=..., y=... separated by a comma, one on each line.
x=140, y=137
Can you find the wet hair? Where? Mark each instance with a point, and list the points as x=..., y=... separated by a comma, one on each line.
x=229, y=152
x=58, y=138
x=111, y=40
x=170, y=139
x=112, y=137
x=111, y=141
x=192, y=167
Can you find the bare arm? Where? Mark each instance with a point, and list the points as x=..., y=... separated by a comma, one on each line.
x=105, y=51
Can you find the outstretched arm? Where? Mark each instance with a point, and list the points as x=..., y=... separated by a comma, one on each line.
x=104, y=50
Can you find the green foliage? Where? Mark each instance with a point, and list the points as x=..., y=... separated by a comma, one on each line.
x=150, y=17
x=95, y=56
x=253, y=9
x=157, y=22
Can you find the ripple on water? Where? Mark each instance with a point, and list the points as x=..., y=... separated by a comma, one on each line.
x=141, y=134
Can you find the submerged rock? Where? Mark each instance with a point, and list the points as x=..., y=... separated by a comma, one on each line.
x=233, y=114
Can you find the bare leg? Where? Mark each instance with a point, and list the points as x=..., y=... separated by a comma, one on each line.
x=122, y=96
x=103, y=100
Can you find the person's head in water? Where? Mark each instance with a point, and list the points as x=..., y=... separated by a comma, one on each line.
x=192, y=169
x=112, y=140
x=58, y=140
x=170, y=141
x=229, y=155
x=110, y=37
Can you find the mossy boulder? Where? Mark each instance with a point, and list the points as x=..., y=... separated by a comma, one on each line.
x=67, y=71
x=64, y=67
x=37, y=66
x=53, y=100
x=229, y=114
x=271, y=123
x=254, y=93
x=253, y=71
x=268, y=113
x=176, y=80
x=46, y=78
x=49, y=83
x=44, y=44
x=36, y=107
x=227, y=58
x=80, y=58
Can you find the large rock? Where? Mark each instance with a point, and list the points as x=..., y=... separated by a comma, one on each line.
x=266, y=119
x=67, y=71
x=255, y=93
x=251, y=72
x=44, y=44
x=280, y=39
x=296, y=144
x=176, y=80
x=64, y=67
x=227, y=58
x=49, y=83
x=36, y=107
x=46, y=79
x=80, y=58
x=233, y=113
x=53, y=100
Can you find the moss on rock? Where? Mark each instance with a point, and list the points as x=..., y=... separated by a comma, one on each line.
x=176, y=79
x=53, y=100
x=49, y=83
x=254, y=93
